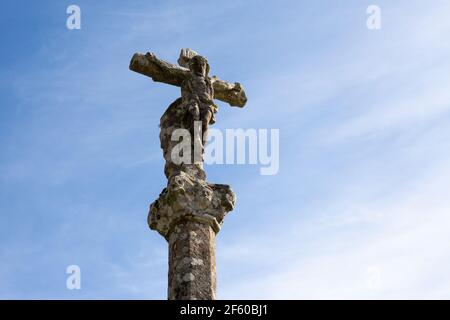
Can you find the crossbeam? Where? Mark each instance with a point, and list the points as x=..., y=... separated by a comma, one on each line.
x=161, y=71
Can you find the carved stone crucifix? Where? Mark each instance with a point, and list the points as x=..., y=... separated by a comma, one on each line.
x=161, y=71
x=189, y=211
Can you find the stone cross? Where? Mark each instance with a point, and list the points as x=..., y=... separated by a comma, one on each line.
x=189, y=211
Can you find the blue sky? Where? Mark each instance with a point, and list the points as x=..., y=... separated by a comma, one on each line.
x=359, y=208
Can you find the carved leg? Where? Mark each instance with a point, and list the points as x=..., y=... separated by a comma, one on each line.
x=206, y=119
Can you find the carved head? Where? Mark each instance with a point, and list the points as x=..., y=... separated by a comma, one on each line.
x=199, y=65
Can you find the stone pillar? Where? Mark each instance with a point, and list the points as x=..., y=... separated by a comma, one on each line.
x=188, y=214
x=189, y=211
x=192, y=262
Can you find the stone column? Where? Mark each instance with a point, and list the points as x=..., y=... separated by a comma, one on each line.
x=189, y=211
x=188, y=214
x=192, y=262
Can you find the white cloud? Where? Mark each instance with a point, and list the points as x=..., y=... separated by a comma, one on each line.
x=391, y=213
x=409, y=244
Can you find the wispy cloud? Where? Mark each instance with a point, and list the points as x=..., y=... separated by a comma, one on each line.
x=362, y=190
x=387, y=208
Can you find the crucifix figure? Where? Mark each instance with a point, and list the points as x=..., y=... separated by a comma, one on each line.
x=197, y=93
x=189, y=211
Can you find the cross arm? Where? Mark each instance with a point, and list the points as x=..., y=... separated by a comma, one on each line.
x=232, y=93
x=161, y=71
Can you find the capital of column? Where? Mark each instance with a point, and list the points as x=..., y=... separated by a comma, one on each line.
x=188, y=198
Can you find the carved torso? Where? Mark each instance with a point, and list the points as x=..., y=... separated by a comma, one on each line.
x=198, y=89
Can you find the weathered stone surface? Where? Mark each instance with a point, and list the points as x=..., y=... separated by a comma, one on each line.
x=186, y=56
x=189, y=211
x=160, y=71
x=192, y=262
x=187, y=198
x=176, y=117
